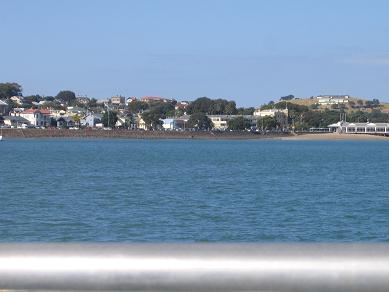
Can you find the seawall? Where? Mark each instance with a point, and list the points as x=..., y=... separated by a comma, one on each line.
x=127, y=134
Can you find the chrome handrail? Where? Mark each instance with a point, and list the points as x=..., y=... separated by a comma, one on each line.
x=195, y=267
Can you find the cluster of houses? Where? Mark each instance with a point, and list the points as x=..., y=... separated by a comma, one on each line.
x=76, y=117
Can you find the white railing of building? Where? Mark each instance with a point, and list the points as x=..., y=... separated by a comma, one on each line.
x=195, y=267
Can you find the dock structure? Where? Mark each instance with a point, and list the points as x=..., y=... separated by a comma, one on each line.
x=360, y=128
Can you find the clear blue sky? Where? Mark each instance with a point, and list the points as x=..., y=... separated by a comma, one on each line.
x=249, y=51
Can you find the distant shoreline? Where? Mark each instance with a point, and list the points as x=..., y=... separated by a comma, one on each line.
x=186, y=135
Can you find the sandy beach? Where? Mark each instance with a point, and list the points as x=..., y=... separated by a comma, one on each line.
x=335, y=136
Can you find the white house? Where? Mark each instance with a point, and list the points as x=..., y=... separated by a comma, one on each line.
x=173, y=123
x=39, y=118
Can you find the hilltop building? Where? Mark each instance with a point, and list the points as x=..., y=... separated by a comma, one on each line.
x=332, y=99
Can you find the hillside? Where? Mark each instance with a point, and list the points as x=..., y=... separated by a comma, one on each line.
x=354, y=104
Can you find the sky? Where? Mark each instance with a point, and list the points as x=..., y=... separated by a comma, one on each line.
x=250, y=51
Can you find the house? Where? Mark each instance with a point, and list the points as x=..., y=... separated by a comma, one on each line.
x=17, y=99
x=15, y=121
x=90, y=120
x=121, y=122
x=130, y=100
x=140, y=123
x=65, y=122
x=173, y=124
x=332, y=99
x=74, y=110
x=3, y=107
x=38, y=118
x=118, y=100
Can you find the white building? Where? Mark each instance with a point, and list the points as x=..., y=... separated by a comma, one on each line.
x=39, y=118
x=360, y=128
x=270, y=112
x=332, y=99
x=173, y=124
x=220, y=122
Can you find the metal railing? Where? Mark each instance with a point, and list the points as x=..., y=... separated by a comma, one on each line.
x=195, y=267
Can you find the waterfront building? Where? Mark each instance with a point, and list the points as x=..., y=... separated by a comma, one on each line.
x=90, y=120
x=273, y=112
x=173, y=124
x=220, y=122
x=65, y=122
x=15, y=121
x=360, y=128
x=38, y=118
x=280, y=115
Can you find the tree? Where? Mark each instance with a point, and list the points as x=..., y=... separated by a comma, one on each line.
x=33, y=98
x=230, y=108
x=200, y=121
x=267, y=123
x=138, y=106
x=77, y=119
x=49, y=98
x=245, y=111
x=288, y=97
x=8, y=90
x=66, y=96
x=239, y=123
x=152, y=119
x=200, y=105
x=109, y=118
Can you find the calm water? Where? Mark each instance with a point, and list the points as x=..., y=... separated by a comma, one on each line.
x=185, y=191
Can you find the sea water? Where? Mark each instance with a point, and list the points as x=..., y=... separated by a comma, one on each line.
x=193, y=191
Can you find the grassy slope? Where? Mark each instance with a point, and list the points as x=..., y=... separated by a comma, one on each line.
x=384, y=107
